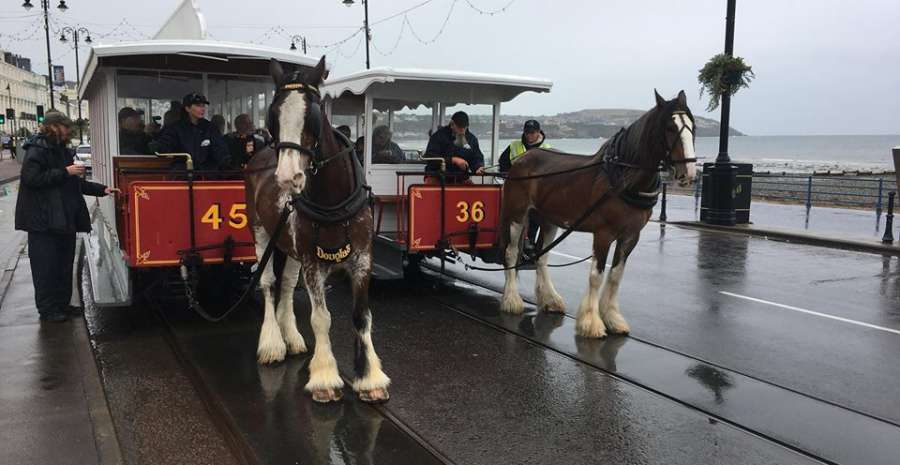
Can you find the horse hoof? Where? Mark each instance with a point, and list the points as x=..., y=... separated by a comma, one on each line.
x=617, y=325
x=323, y=396
x=296, y=346
x=512, y=304
x=267, y=355
x=552, y=304
x=591, y=330
x=374, y=396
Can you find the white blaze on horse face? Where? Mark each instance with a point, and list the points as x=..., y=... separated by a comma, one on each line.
x=685, y=172
x=291, y=171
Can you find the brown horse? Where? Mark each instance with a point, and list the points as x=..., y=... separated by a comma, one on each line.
x=620, y=183
x=330, y=229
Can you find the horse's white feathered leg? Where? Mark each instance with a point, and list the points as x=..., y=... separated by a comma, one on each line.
x=547, y=297
x=323, y=373
x=609, y=301
x=285, y=313
x=588, y=322
x=512, y=302
x=271, y=346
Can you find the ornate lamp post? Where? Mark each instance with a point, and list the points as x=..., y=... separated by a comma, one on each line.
x=45, y=5
x=74, y=32
x=297, y=38
x=721, y=176
x=368, y=32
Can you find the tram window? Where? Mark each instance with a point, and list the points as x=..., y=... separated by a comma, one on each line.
x=400, y=131
x=237, y=95
x=145, y=97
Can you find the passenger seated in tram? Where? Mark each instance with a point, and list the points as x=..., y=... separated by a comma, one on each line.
x=345, y=130
x=194, y=135
x=359, y=146
x=218, y=122
x=385, y=151
x=459, y=149
x=132, y=139
x=173, y=114
x=153, y=128
x=243, y=142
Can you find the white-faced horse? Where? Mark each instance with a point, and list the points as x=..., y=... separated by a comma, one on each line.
x=620, y=183
x=329, y=230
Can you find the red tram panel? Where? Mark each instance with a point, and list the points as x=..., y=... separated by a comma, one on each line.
x=156, y=221
x=464, y=206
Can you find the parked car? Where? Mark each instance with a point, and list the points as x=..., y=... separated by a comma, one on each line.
x=83, y=154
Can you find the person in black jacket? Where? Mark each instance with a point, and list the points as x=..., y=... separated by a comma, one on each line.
x=243, y=142
x=194, y=135
x=458, y=147
x=51, y=208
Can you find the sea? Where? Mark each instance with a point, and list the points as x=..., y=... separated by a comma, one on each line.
x=792, y=154
x=789, y=154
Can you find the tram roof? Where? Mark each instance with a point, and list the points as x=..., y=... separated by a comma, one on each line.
x=426, y=85
x=200, y=55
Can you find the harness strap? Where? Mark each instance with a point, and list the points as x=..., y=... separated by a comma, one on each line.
x=603, y=198
x=254, y=281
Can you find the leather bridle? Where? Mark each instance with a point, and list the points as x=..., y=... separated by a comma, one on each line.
x=668, y=161
x=316, y=159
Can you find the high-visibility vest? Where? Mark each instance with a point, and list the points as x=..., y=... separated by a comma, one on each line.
x=517, y=148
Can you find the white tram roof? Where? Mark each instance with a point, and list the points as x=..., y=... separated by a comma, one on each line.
x=201, y=55
x=426, y=86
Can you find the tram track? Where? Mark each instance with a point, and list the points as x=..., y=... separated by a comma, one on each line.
x=243, y=451
x=219, y=413
x=835, y=410
x=666, y=348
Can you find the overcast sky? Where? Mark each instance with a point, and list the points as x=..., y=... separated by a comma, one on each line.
x=822, y=66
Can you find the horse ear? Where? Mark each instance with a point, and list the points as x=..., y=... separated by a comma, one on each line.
x=317, y=75
x=659, y=100
x=276, y=71
x=682, y=99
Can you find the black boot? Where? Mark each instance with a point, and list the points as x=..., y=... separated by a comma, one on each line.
x=55, y=317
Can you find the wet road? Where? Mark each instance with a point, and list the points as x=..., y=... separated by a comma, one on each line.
x=741, y=303
x=470, y=393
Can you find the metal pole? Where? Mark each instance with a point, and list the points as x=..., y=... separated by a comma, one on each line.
x=726, y=99
x=303, y=41
x=46, y=5
x=662, y=213
x=722, y=174
x=368, y=35
x=77, y=94
x=880, y=194
x=808, y=192
x=889, y=221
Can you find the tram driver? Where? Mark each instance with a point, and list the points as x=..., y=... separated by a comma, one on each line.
x=195, y=135
x=459, y=149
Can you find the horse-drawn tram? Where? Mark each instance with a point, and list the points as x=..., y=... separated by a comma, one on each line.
x=706, y=379
x=415, y=219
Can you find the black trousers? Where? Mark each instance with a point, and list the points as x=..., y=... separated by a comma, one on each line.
x=52, y=256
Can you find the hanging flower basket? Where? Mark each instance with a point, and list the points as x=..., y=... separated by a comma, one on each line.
x=723, y=75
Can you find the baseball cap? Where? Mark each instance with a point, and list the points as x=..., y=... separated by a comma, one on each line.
x=532, y=125
x=194, y=98
x=55, y=117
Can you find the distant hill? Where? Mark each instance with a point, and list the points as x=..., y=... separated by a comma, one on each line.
x=594, y=123
x=583, y=124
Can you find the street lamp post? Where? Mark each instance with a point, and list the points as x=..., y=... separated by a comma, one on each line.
x=12, y=123
x=45, y=5
x=74, y=31
x=365, y=26
x=722, y=175
x=297, y=38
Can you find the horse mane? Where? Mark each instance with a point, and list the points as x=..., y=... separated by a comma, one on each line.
x=642, y=143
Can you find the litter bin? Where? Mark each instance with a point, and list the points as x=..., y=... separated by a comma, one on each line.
x=741, y=193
